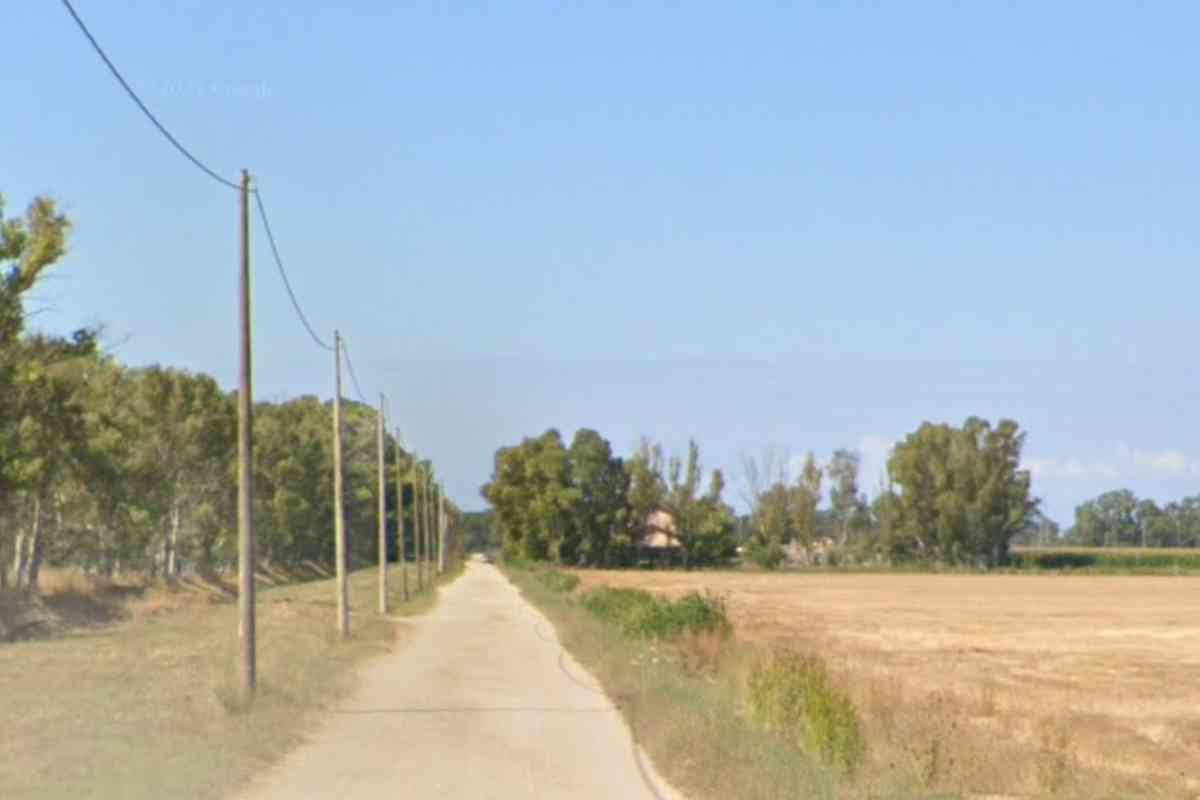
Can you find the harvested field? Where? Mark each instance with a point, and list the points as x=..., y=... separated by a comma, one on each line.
x=1086, y=673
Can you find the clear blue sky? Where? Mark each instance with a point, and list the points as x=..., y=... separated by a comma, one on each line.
x=762, y=225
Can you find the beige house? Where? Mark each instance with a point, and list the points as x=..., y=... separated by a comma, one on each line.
x=660, y=531
x=660, y=541
x=813, y=555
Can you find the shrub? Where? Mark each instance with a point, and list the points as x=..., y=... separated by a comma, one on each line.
x=767, y=556
x=698, y=612
x=641, y=615
x=1107, y=559
x=557, y=581
x=793, y=695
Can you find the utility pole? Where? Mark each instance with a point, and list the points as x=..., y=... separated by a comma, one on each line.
x=245, y=454
x=400, y=524
x=429, y=525
x=441, y=530
x=383, y=559
x=440, y=512
x=339, y=507
x=417, y=556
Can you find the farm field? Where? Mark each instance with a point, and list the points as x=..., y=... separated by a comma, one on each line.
x=1098, y=670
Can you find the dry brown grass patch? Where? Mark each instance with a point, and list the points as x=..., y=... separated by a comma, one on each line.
x=125, y=710
x=1076, y=686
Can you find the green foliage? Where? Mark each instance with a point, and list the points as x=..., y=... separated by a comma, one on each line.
x=41, y=418
x=108, y=468
x=532, y=496
x=806, y=494
x=766, y=554
x=478, y=531
x=1119, y=519
x=583, y=506
x=781, y=513
x=962, y=494
x=1108, y=560
x=847, y=506
x=558, y=581
x=792, y=694
x=639, y=614
x=598, y=515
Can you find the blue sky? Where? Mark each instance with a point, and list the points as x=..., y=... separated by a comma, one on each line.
x=787, y=226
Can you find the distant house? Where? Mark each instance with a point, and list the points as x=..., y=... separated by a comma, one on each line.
x=659, y=543
x=815, y=554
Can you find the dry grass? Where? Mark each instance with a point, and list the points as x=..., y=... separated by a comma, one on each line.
x=145, y=707
x=1021, y=685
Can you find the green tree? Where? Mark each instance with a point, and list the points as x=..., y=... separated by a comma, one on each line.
x=772, y=516
x=806, y=496
x=532, y=495
x=647, y=490
x=600, y=483
x=962, y=495
x=40, y=381
x=846, y=503
x=704, y=524
x=1109, y=520
x=771, y=522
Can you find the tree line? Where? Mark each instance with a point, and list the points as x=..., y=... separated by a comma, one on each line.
x=111, y=469
x=1119, y=519
x=952, y=495
x=582, y=505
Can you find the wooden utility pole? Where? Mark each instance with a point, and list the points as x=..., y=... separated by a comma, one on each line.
x=383, y=559
x=403, y=558
x=339, y=507
x=429, y=525
x=417, y=555
x=441, y=530
x=245, y=454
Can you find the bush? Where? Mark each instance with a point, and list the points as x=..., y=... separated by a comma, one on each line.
x=793, y=695
x=1107, y=559
x=557, y=581
x=767, y=556
x=641, y=615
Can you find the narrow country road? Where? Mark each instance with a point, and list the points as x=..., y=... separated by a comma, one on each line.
x=474, y=704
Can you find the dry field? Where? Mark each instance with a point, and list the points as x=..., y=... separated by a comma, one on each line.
x=1081, y=673
x=127, y=691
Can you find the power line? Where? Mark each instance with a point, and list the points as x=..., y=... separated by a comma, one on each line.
x=224, y=182
x=353, y=377
x=262, y=212
x=133, y=95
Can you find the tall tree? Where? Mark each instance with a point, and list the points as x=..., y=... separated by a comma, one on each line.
x=704, y=524
x=600, y=483
x=40, y=380
x=962, y=495
x=845, y=501
x=532, y=494
x=806, y=495
x=1109, y=520
x=647, y=481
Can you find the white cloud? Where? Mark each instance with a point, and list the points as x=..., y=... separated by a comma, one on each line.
x=874, y=451
x=1168, y=462
x=1125, y=463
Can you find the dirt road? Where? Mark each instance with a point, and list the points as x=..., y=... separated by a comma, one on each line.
x=478, y=702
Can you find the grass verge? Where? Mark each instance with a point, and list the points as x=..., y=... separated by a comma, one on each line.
x=668, y=687
x=146, y=707
x=725, y=718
